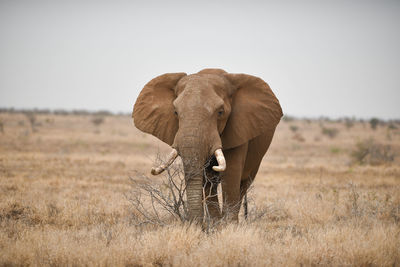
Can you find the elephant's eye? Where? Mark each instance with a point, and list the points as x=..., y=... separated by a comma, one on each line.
x=220, y=112
x=176, y=113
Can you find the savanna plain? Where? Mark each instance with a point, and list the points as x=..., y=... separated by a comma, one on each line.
x=327, y=193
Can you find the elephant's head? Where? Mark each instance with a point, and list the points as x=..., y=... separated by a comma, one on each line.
x=200, y=114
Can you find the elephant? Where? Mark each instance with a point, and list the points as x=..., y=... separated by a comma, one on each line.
x=214, y=117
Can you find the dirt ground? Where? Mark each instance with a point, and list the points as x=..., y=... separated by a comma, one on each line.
x=64, y=182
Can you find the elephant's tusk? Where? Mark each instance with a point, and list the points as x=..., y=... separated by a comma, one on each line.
x=170, y=159
x=221, y=161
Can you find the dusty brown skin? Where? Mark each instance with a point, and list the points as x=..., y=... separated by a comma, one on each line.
x=200, y=113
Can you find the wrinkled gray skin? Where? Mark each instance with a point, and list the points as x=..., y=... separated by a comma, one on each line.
x=199, y=113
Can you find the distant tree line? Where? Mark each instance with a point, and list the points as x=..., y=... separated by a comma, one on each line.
x=64, y=112
x=374, y=122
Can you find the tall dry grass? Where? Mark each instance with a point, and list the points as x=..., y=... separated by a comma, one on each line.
x=63, y=200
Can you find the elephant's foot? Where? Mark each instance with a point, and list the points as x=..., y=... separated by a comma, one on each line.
x=230, y=212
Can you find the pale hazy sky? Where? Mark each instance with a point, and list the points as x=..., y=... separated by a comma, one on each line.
x=331, y=58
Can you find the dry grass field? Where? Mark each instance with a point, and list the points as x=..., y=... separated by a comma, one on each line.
x=64, y=187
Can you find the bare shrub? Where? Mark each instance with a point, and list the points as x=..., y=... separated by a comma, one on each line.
x=32, y=120
x=374, y=123
x=16, y=211
x=335, y=150
x=370, y=152
x=273, y=212
x=61, y=112
x=392, y=126
x=1, y=126
x=330, y=132
x=103, y=113
x=97, y=120
x=287, y=118
x=155, y=203
x=165, y=202
x=79, y=112
x=294, y=128
x=353, y=205
x=298, y=137
x=349, y=123
x=49, y=120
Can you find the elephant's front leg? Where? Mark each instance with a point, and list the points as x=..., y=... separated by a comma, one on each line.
x=230, y=181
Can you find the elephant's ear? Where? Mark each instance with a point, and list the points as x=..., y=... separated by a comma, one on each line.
x=255, y=110
x=154, y=112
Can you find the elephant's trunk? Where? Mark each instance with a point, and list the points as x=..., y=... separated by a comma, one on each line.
x=193, y=164
x=196, y=143
x=194, y=151
x=194, y=193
